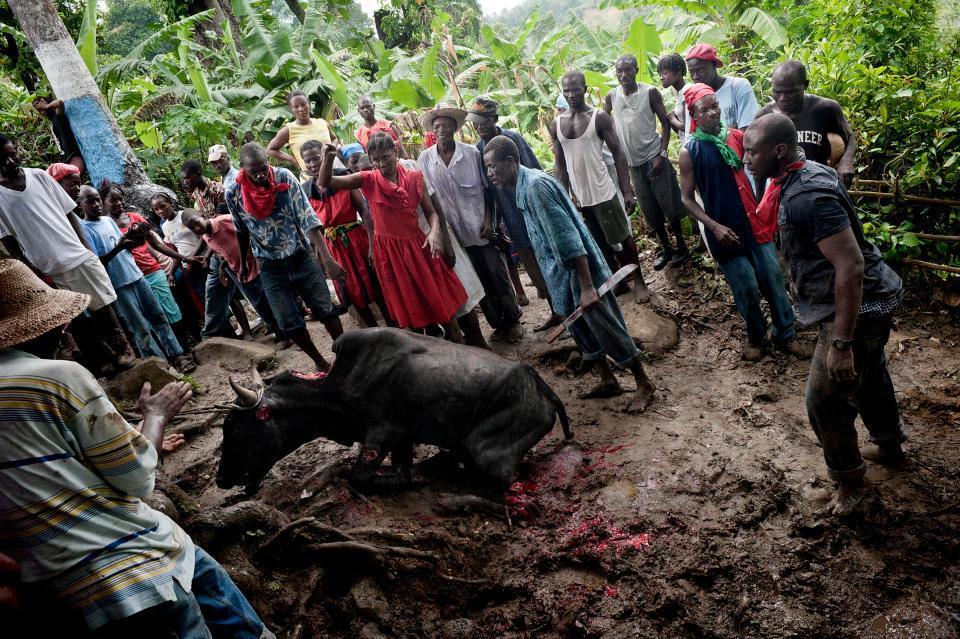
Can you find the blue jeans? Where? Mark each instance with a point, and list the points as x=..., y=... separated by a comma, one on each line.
x=217, y=306
x=214, y=609
x=601, y=331
x=284, y=279
x=144, y=318
x=758, y=272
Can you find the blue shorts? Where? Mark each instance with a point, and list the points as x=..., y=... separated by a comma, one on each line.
x=286, y=278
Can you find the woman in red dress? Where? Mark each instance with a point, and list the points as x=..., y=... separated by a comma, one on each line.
x=419, y=287
x=348, y=236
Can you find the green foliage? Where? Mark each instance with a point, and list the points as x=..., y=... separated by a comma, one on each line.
x=125, y=25
x=87, y=41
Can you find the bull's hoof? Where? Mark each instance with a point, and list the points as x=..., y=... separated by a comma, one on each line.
x=603, y=390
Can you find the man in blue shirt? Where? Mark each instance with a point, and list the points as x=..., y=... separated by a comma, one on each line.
x=272, y=215
x=573, y=267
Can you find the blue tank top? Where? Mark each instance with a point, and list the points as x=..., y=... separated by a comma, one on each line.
x=721, y=199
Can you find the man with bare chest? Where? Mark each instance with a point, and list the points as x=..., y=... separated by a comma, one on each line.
x=578, y=137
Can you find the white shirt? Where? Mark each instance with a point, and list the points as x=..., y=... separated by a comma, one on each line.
x=175, y=232
x=37, y=218
x=738, y=104
x=459, y=186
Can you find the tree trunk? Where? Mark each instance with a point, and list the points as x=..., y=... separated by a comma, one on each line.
x=297, y=9
x=105, y=150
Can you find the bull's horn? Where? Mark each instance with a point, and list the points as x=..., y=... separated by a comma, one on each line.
x=255, y=374
x=245, y=397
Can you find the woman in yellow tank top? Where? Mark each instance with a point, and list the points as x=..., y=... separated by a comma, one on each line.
x=298, y=131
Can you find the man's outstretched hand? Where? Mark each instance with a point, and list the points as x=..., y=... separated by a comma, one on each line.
x=166, y=402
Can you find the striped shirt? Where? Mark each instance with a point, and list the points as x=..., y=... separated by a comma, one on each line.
x=72, y=472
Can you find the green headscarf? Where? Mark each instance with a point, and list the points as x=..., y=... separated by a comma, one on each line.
x=720, y=141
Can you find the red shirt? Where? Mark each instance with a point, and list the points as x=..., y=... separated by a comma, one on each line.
x=145, y=260
x=222, y=238
x=365, y=132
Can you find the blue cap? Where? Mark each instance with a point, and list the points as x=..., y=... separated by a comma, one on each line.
x=350, y=149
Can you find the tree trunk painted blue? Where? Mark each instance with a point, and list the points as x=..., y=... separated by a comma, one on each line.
x=98, y=143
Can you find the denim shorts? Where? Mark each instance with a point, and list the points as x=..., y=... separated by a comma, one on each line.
x=286, y=278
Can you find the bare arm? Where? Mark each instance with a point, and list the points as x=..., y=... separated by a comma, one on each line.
x=845, y=165
x=434, y=237
x=559, y=162
x=608, y=103
x=340, y=182
x=688, y=188
x=588, y=294
x=608, y=133
x=333, y=270
x=842, y=251
x=158, y=245
x=279, y=141
x=75, y=223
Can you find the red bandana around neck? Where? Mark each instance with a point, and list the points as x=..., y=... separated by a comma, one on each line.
x=764, y=223
x=258, y=200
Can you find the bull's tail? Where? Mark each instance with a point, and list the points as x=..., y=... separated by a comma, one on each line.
x=557, y=402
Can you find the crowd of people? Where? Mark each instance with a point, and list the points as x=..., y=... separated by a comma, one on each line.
x=427, y=242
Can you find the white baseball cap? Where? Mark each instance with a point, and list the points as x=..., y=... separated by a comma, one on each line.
x=216, y=152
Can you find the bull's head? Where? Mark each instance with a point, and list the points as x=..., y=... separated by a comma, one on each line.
x=251, y=440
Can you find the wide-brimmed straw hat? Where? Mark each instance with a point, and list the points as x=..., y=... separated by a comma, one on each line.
x=443, y=110
x=29, y=308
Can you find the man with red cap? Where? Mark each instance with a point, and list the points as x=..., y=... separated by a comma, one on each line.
x=738, y=104
x=711, y=163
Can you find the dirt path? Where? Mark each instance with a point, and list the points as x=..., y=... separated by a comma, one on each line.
x=704, y=517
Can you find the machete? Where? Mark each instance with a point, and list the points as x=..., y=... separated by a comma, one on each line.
x=605, y=288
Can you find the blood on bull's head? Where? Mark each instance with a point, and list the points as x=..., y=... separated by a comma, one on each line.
x=251, y=438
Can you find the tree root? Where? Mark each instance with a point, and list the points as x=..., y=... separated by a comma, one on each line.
x=369, y=549
x=218, y=527
x=448, y=503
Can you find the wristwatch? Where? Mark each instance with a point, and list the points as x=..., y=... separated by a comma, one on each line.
x=663, y=154
x=841, y=344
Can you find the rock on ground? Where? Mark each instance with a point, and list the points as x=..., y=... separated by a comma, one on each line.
x=657, y=333
x=155, y=370
x=232, y=354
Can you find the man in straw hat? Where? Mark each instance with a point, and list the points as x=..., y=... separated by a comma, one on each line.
x=454, y=172
x=38, y=227
x=74, y=475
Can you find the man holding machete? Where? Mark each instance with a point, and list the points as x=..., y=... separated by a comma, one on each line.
x=573, y=268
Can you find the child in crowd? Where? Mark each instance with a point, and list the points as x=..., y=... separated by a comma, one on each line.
x=148, y=251
x=221, y=237
x=348, y=236
x=137, y=306
x=419, y=287
x=187, y=280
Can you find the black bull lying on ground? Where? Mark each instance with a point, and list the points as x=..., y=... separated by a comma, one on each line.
x=389, y=390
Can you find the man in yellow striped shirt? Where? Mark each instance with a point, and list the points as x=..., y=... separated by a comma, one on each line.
x=72, y=476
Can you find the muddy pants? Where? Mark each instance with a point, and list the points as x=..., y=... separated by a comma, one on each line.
x=832, y=408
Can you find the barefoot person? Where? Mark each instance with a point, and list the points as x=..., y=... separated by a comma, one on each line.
x=573, y=267
x=816, y=118
x=271, y=214
x=419, y=288
x=348, y=234
x=711, y=165
x=484, y=116
x=454, y=172
x=636, y=108
x=578, y=137
x=843, y=285
x=95, y=557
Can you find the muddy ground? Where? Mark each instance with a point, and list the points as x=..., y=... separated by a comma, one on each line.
x=704, y=517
